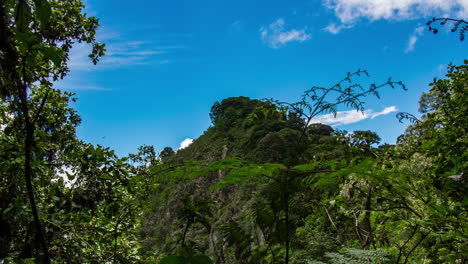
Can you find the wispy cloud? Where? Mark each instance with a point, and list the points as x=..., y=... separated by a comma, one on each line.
x=441, y=70
x=79, y=87
x=122, y=51
x=386, y=111
x=418, y=32
x=237, y=26
x=185, y=143
x=351, y=116
x=119, y=54
x=335, y=29
x=349, y=12
x=276, y=35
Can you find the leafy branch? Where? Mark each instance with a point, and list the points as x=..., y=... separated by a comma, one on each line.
x=347, y=91
x=404, y=115
x=457, y=25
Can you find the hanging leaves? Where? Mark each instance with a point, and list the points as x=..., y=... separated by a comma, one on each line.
x=43, y=11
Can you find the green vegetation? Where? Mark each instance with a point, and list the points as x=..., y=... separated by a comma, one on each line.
x=459, y=25
x=261, y=185
x=262, y=189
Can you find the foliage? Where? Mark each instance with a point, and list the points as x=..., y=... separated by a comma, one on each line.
x=457, y=25
x=327, y=195
x=62, y=200
x=85, y=194
x=357, y=256
x=262, y=185
x=270, y=139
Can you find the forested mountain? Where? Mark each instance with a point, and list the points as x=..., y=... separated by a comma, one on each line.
x=256, y=183
x=263, y=184
x=250, y=143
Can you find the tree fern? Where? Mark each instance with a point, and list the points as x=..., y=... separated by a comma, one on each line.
x=356, y=256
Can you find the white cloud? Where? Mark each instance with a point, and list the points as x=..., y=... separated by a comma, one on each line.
x=79, y=87
x=335, y=29
x=135, y=53
x=419, y=31
x=237, y=26
x=411, y=42
x=440, y=71
x=276, y=35
x=350, y=11
x=185, y=143
x=118, y=54
x=386, y=111
x=351, y=116
x=105, y=33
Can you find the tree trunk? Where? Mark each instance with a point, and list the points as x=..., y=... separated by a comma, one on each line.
x=28, y=171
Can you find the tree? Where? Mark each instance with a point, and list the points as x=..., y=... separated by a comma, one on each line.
x=363, y=140
x=87, y=198
x=413, y=196
x=442, y=128
x=36, y=37
x=166, y=153
x=315, y=101
x=231, y=109
x=55, y=132
x=321, y=100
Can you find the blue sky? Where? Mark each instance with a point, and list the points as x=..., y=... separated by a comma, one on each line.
x=167, y=62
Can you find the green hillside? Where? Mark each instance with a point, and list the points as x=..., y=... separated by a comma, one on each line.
x=260, y=181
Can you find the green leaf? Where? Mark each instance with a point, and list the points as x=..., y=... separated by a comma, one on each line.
x=305, y=167
x=5, y=212
x=43, y=11
x=173, y=260
x=70, y=177
x=237, y=175
x=53, y=54
x=28, y=39
x=22, y=15
x=201, y=260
